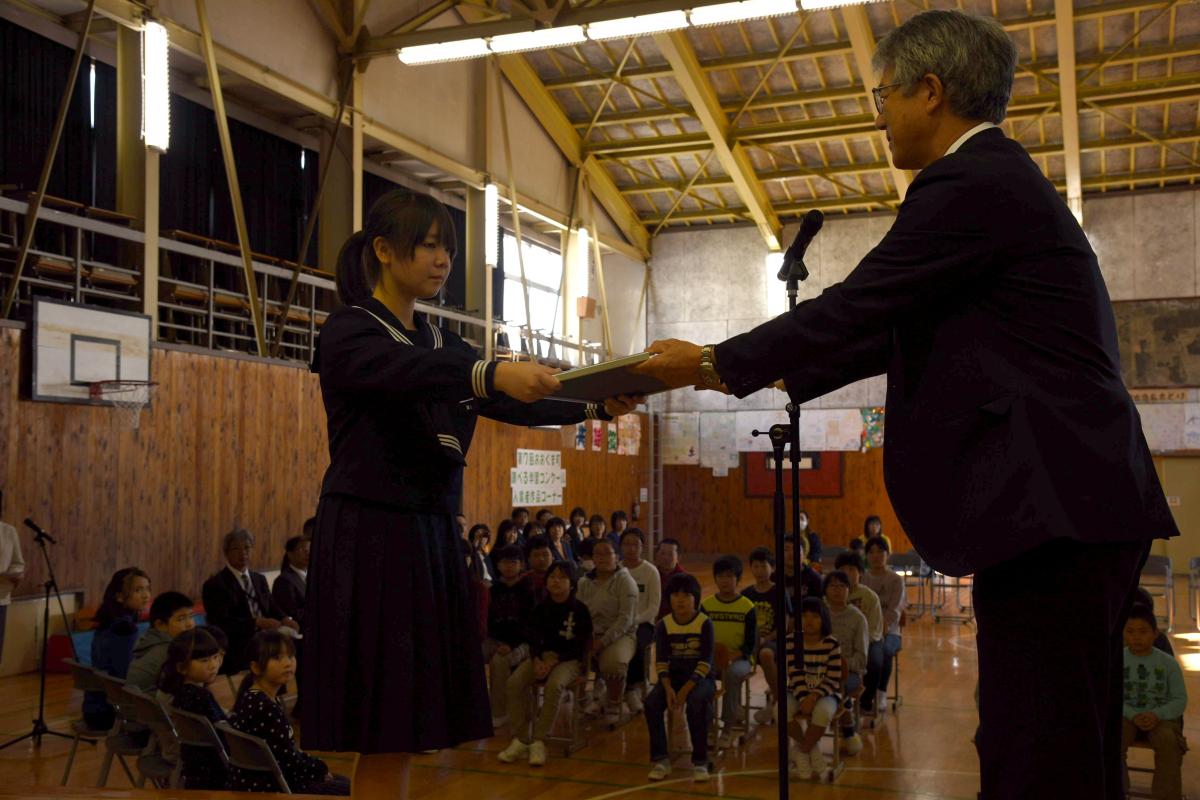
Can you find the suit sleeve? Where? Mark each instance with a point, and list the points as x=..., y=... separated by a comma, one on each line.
x=221, y=608
x=287, y=598
x=936, y=247
x=266, y=599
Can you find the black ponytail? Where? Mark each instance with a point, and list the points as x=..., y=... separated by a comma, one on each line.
x=404, y=219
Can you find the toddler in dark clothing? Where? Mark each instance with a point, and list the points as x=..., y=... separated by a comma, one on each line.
x=511, y=599
x=272, y=659
x=193, y=661
x=560, y=631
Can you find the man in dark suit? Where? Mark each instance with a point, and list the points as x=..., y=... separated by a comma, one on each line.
x=1014, y=451
x=291, y=586
x=239, y=602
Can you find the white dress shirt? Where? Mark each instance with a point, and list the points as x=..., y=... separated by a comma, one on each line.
x=983, y=126
x=243, y=579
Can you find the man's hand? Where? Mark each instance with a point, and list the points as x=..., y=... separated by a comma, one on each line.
x=526, y=381
x=676, y=363
x=623, y=404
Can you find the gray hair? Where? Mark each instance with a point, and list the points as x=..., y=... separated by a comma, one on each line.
x=237, y=536
x=973, y=57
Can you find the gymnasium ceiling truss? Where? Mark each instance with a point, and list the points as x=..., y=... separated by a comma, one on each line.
x=758, y=122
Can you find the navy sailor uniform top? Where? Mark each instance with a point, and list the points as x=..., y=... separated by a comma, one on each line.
x=402, y=405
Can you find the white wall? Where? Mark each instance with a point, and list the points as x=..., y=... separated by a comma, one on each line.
x=708, y=285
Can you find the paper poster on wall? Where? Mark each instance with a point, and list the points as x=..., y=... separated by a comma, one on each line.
x=1163, y=425
x=720, y=472
x=718, y=445
x=681, y=438
x=629, y=434
x=597, y=436
x=612, y=437
x=581, y=436
x=831, y=429
x=538, y=478
x=746, y=422
x=1191, y=426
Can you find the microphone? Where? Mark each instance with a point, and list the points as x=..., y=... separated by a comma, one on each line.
x=793, y=259
x=40, y=534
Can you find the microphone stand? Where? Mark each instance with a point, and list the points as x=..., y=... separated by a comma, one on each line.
x=40, y=728
x=787, y=436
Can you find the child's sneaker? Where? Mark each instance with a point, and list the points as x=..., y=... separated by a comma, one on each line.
x=852, y=745
x=612, y=714
x=660, y=770
x=633, y=700
x=537, y=754
x=591, y=707
x=699, y=773
x=726, y=740
x=516, y=749
x=765, y=715
x=819, y=765
x=801, y=768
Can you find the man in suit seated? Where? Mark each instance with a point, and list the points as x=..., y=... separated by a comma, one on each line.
x=1014, y=452
x=239, y=601
x=291, y=586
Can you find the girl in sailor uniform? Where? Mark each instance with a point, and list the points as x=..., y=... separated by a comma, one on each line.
x=392, y=662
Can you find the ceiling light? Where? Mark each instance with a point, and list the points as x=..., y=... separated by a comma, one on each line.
x=539, y=39
x=817, y=5
x=643, y=25
x=444, y=51
x=156, y=86
x=725, y=13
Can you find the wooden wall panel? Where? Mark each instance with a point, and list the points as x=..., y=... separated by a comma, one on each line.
x=713, y=515
x=227, y=442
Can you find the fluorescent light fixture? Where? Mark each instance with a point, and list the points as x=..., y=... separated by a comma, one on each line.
x=156, y=86
x=491, y=225
x=539, y=39
x=444, y=51
x=725, y=13
x=817, y=5
x=642, y=25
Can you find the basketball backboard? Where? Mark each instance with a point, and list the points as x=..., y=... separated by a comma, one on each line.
x=75, y=345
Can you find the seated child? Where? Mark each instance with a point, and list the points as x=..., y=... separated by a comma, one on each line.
x=560, y=632
x=510, y=600
x=735, y=632
x=762, y=594
x=850, y=629
x=611, y=596
x=1162, y=642
x=586, y=552
x=649, y=585
x=127, y=594
x=815, y=688
x=1155, y=699
x=863, y=598
x=192, y=663
x=684, y=645
x=258, y=711
x=810, y=581
x=537, y=550
x=170, y=615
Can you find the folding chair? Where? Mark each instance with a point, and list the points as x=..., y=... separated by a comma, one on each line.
x=152, y=764
x=85, y=681
x=121, y=741
x=1140, y=792
x=909, y=566
x=194, y=730
x=1194, y=588
x=896, y=698
x=576, y=736
x=1159, y=581
x=251, y=753
x=940, y=597
x=837, y=764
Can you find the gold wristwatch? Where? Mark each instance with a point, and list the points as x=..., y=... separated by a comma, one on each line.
x=708, y=366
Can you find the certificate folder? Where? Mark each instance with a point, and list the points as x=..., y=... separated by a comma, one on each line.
x=598, y=382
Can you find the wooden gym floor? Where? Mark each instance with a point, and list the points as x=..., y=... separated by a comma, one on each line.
x=922, y=752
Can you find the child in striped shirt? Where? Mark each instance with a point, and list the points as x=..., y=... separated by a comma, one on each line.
x=684, y=647
x=816, y=689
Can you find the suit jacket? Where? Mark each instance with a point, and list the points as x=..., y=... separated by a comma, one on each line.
x=227, y=606
x=289, y=591
x=1008, y=424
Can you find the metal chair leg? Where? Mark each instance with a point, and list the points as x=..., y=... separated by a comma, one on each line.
x=70, y=761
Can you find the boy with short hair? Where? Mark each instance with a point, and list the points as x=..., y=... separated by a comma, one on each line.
x=511, y=599
x=1155, y=699
x=666, y=559
x=540, y=558
x=684, y=647
x=735, y=631
x=762, y=594
x=170, y=615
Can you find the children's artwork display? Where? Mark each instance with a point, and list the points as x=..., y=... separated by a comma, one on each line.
x=581, y=436
x=597, y=436
x=828, y=429
x=872, y=428
x=681, y=438
x=612, y=438
x=718, y=443
x=629, y=434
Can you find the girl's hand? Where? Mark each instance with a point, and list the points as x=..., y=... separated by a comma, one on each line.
x=526, y=381
x=682, y=695
x=503, y=650
x=669, y=692
x=623, y=404
x=808, y=704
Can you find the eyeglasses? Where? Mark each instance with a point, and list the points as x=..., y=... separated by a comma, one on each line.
x=877, y=92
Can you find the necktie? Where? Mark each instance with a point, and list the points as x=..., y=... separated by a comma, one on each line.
x=246, y=586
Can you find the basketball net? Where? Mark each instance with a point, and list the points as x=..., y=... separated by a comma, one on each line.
x=128, y=397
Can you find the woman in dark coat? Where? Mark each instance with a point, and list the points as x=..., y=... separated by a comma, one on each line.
x=392, y=663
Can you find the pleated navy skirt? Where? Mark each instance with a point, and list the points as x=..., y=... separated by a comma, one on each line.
x=392, y=660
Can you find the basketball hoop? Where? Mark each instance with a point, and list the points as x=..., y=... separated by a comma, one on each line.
x=129, y=397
